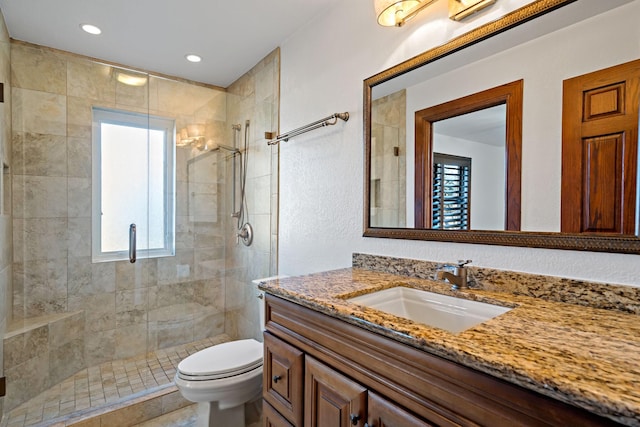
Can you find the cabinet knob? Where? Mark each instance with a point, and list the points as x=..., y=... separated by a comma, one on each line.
x=354, y=418
x=276, y=378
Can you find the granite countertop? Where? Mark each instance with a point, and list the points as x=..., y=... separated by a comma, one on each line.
x=583, y=356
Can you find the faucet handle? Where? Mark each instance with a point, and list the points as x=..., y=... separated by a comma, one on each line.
x=462, y=262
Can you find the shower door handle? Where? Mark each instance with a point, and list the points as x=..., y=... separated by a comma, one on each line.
x=132, y=243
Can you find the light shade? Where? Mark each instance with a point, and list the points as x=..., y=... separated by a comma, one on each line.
x=392, y=13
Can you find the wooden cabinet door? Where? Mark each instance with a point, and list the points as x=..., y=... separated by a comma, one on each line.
x=331, y=399
x=382, y=413
x=600, y=150
x=283, y=376
x=272, y=418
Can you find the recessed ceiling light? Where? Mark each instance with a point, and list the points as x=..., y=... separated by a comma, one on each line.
x=91, y=29
x=193, y=58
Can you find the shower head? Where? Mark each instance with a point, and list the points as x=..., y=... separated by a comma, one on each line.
x=226, y=148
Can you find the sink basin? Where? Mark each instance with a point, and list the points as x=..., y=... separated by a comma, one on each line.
x=442, y=311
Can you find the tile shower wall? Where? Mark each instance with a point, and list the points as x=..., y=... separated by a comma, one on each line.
x=255, y=96
x=128, y=308
x=5, y=188
x=389, y=160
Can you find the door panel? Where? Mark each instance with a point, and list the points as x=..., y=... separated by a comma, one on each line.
x=272, y=418
x=600, y=151
x=282, y=378
x=331, y=399
x=382, y=413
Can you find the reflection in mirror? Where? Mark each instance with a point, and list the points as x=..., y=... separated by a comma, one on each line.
x=388, y=161
x=543, y=43
x=493, y=115
x=468, y=171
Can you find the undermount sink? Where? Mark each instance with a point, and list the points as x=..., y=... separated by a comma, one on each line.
x=442, y=311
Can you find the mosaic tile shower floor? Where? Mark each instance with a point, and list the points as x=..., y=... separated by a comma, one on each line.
x=106, y=384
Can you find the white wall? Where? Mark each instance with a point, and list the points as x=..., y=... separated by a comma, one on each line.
x=321, y=173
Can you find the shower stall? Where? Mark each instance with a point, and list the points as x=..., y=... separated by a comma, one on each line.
x=98, y=149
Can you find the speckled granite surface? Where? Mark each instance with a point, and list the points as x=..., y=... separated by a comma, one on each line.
x=560, y=289
x=585, y=356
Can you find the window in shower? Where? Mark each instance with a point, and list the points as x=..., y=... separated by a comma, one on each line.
x=133, y=183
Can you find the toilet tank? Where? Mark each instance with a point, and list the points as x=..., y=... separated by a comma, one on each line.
x=260, y=297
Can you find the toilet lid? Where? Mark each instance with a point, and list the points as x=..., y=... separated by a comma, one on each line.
x=221, y=360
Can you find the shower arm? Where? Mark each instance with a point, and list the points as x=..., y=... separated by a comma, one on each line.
x=327, y=121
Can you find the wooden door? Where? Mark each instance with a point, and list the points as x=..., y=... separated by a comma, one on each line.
x=331, y=399
x=382, y=413
x=272, y=418
x=600, y=151
x=283, y=377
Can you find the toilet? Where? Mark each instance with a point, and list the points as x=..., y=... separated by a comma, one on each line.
x=222, y=378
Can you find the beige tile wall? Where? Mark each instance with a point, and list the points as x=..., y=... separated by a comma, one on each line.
x=41, y=353
x=255, y=97
x=388, y=171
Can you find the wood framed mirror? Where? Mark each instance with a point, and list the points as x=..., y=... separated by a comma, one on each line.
x=421, y=83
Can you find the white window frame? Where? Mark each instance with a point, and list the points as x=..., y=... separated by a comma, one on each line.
x=144, y=121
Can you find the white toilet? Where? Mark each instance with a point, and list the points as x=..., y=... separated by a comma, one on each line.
x=222, y=378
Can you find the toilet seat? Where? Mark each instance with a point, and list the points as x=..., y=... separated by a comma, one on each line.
x=222, y=361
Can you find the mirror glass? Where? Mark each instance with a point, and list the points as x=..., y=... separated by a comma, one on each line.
x=469, y=153
x=557, y=44
x=478, y=136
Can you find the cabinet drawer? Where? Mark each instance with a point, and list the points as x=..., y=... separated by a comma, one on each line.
x=282, y=384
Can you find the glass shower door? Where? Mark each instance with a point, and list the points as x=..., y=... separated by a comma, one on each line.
x=128, y=145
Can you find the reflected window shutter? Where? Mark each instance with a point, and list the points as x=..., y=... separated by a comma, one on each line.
x=451, y=192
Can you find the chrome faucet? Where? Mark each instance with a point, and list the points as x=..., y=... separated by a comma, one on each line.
x=457, y=274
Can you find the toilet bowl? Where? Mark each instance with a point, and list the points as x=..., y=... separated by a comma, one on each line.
x=222, y=378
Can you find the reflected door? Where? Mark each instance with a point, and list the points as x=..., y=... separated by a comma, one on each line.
x=436, y=124
x=600, y=151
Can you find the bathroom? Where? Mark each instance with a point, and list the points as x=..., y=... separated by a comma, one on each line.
x=312, y=219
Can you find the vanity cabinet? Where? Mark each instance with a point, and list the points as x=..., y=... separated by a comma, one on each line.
x=332, y=373
x=330, y=398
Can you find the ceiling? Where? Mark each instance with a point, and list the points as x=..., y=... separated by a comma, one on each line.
x=487, y=126
x=155, y=35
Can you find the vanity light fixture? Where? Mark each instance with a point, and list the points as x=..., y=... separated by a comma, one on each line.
x=460, y=9
x=392, y=13
x=91, y=29
x=192, y=57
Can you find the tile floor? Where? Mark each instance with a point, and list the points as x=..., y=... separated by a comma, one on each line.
x=186, y=417
x=107, y=384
